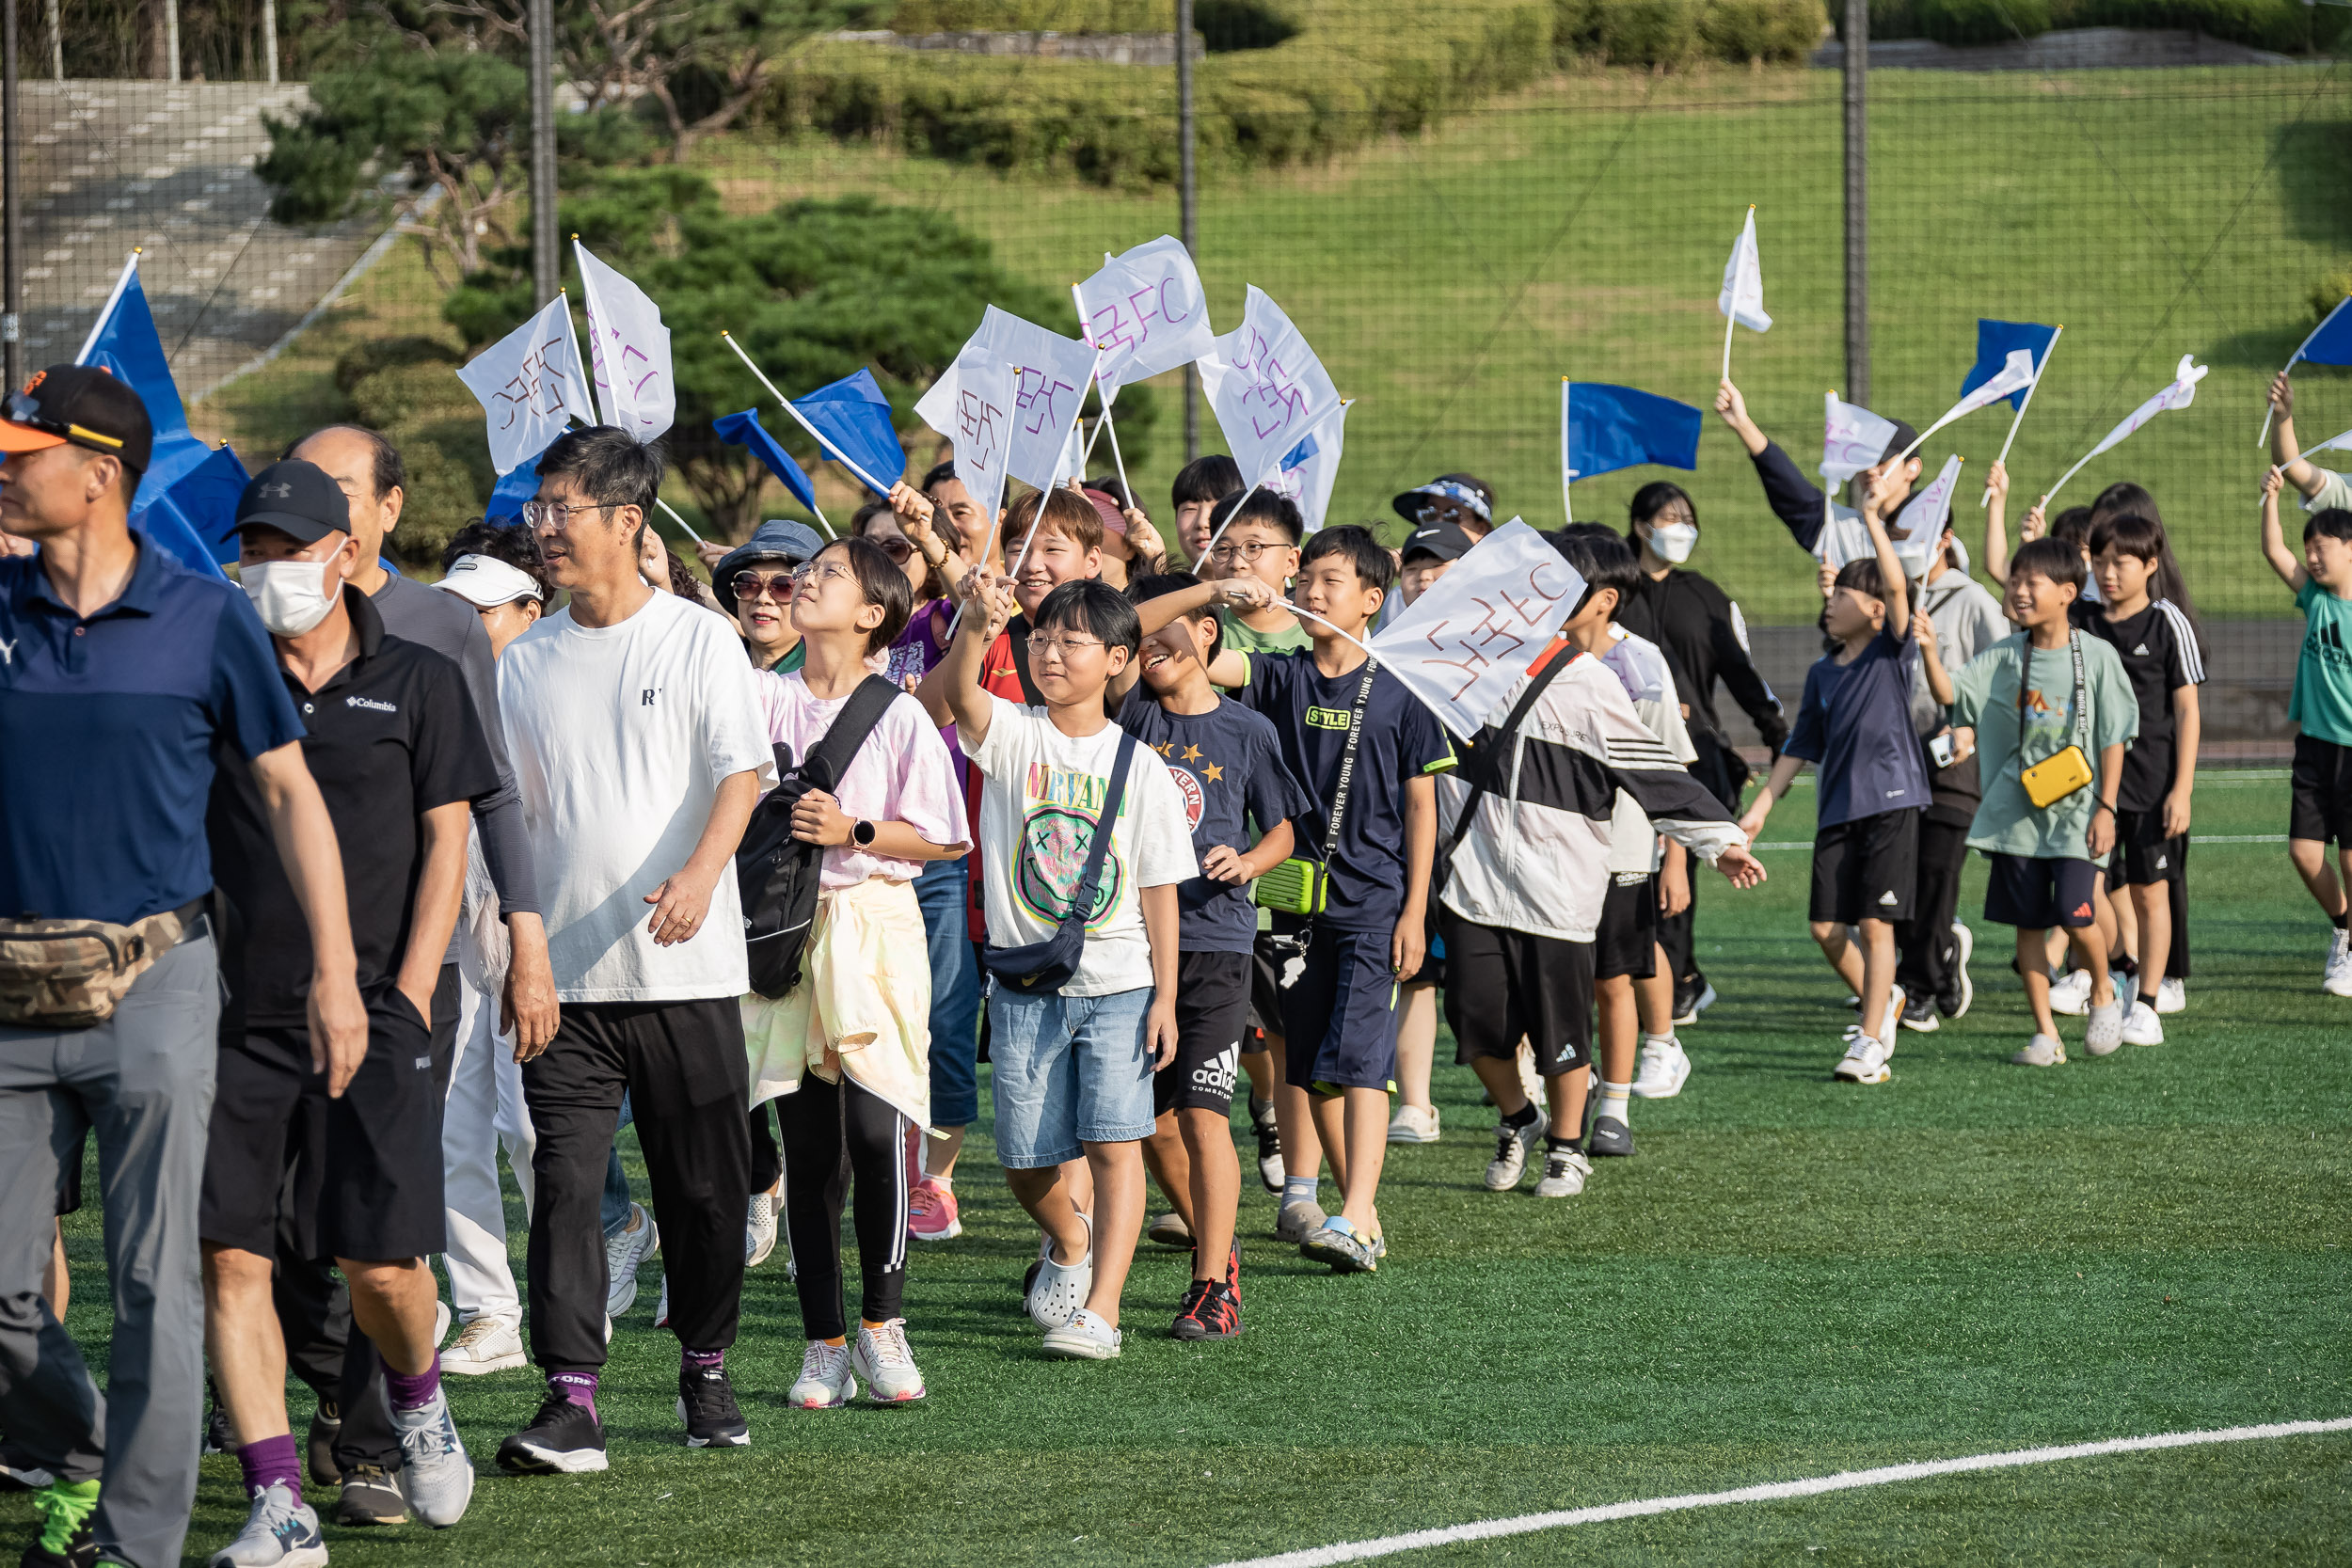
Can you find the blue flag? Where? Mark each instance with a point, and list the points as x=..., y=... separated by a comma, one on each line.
x=851, y=418
x=1605, y=428
x=744, y=430
x=515, y=486
x=127, y=345
x=2333, y=343
x=1995, y=340
x=199, y=511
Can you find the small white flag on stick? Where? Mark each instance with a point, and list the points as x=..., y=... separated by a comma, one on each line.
x=1463, y=645
x=2016, y=374
x=2180, y=394
x=1146, y=312
x=629, y=348
x=530, y=386
x=972, y=404
x=1853, y=440
x=1265, y=386
x=1923, y=521
x=1050, y=375
x=1741, y=299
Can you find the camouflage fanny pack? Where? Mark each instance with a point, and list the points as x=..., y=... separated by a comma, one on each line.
x=70, y=974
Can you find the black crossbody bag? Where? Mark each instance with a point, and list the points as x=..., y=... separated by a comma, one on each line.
x=1042, y=968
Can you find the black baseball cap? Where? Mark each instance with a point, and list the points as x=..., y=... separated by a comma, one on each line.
x=1446, y=541
x=297, y=499
x=80, y=406
x=1903, y=438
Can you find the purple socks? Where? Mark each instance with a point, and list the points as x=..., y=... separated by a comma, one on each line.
x=703, y=1360
x=579, y=1388
x=272, y=1461
x=412, y=1390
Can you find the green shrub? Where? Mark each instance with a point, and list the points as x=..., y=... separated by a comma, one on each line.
x=2332, y=290
x=1228, y=26
x=362, y=360
x=1966, y=21
x=1782, y=31
x=2287, y=26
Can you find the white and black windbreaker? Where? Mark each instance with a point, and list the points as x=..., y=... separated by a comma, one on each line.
x=1535, y=859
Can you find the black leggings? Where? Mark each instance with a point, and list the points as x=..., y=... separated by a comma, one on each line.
x=832, y=1133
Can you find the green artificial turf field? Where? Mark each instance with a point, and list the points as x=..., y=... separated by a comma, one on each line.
x=1792, y=1279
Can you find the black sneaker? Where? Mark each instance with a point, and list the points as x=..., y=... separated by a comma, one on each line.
x=327, y=1424
x=371, y=1496
x=1210, y=1311
x=1921, y=1015
x=563, y=1438
x=705, y=1403
x=1269, y=1143
x=1609, y=1137
x=220, y=1434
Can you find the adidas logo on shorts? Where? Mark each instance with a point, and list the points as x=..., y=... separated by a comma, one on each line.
x=1217, y=1074
x=1889, y=897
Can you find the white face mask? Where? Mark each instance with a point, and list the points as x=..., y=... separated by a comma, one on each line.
x=292, y=597
x=1674, y=542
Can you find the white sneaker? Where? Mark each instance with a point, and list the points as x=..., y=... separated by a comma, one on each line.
x=1061, y=1288
x=441, y=1321
x=488, y=1344
x=881, y=1358
x=2143, y=1027
x=1891, y=1025
x=1967, y=949
x=279, y=1533
x=1660, y=1069
x=2072, y=995
x=826, y=1381
x=1865, y=1061
x=1414, y=1124
x=2171, y=996
x=2043, y=1051
x=2106, y=1030
x=2339, y=978
x=624, y=1250
x=1565, y=1171
x=1084, y=1338
x=661, y=1308
x=437, y=1476
x=759, y=1230
x=1512, y=1147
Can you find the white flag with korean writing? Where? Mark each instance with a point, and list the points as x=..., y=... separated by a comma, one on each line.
x=1050, y=375
x=1920, y=525
x=1463, y=645
x=1311, y=468
x=530, y=386
x=1853, y=438
x=1265, y=386
x=1146, y=312
x=1741, y=297
x=972, y=406
x=629, y=349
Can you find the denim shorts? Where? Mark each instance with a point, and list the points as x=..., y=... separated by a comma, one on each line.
x=1067, y=1071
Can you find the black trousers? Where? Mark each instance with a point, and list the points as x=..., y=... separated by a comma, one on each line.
x=315, y=1308
x=1929, y=963
x=1676, y=934
x=2176, y=957
x=835, y=1133
x=683, y=1067
x=767, y=1159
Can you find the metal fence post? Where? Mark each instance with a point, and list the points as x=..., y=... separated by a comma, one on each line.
x=1190, y=194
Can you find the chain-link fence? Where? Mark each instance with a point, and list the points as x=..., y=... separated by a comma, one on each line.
x=1452, y=277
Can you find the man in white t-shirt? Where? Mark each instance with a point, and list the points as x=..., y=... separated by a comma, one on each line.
x=639, y=750
x=1072, y=1067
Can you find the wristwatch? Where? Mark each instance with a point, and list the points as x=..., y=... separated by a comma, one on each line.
x=862, y=834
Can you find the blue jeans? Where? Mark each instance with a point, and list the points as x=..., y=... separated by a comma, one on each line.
x=1069, y=1071
x=955, y=994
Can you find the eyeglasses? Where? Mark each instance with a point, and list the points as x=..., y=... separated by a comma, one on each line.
x=829, y=571
x=1045, y=646
x=1247, y=553
x=756, y=585
x=896, y=547
x=558, y=515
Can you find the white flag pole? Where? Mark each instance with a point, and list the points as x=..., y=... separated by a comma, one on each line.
x=682, y=522
x=1566, y=474
x=1229, y=518
x=571, y=330
x=1311, y=616
x=824, y=448
x=106, y=311
x=2031, y=388
x=1730, y=320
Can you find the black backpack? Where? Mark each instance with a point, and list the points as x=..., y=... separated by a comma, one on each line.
x=777, y=874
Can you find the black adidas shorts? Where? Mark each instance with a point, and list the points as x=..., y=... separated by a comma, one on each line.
x=1509, y=984
x=2143, y=855
x=2037, y=894
x=2321, y=807
x=1865, y=868
x=1211, y=1016
x=1626, y=939
x=366, y=1167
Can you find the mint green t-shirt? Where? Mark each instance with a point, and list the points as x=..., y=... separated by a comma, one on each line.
x=1985, y=699
x=2323, y=676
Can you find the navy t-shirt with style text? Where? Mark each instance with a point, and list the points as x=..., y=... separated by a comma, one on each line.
x=1227, y=765
x=1855, y=726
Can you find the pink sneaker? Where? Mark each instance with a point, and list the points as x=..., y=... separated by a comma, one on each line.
x=931, y=1212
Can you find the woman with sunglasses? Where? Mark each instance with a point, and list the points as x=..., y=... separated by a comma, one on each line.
x=752, y=583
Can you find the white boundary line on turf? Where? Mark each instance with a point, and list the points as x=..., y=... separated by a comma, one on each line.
x=2195, y=838
x=1845, y=1481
